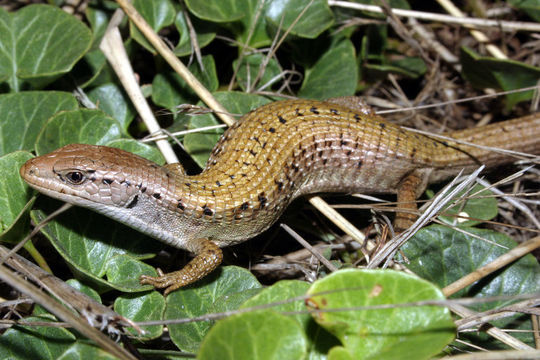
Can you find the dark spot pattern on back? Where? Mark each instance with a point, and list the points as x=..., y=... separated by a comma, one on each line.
x=207, y=211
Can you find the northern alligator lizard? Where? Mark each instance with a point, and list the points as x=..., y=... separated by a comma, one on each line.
x=269, y=157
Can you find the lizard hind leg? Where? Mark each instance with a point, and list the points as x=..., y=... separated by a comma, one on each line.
x=408, y=191
x=207, y=258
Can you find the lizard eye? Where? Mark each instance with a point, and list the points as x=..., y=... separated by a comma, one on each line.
x=75, y=177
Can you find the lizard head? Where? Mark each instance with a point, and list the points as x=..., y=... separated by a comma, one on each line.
x=115, y=183
x=87, y=175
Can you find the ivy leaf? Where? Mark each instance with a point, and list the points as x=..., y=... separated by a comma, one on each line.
x=269, y=335
x=282, y=293
x=414, y=332
x=443, y=255
x=24, y=114
x=204, y=31
x=114, y=102
x=334, y=74
x=14, y=193
x=39, y=43
x=170, y=90
x=142, y=307
x=480, y=204
x=46, y=342
x=200, y=298
x=486, y=72
x=77, y=127
x=218, y=11
x=283, y=15
x=157, y=13
x=90, y=243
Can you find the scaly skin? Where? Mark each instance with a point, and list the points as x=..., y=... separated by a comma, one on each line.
x=269, y=157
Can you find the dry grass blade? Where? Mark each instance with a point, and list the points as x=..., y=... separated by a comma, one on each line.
x=421, y=15
x=491, y=330
x=498, y=355
x=311, y=249
x=63, y=313
x=479, y=36
x=96, y=314
x=524, y=307
x=113, y=48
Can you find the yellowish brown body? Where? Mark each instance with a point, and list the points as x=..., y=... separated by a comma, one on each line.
x=272, y=155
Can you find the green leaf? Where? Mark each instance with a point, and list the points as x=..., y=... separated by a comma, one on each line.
x=85, y=289
x=249, y=70
x=46, y=343
x=416, y=332
x=93, y=62
x=410, y=66
x=199, y=145
x=199, y=298
x=38, y=43
x=205, y=33
x=443, y=255
x=123, y=272
x=14, y=193
x=528, y=7
x=26, y=113
x=234, y=301
x=142, y=307
x=157, y=13
x=339, y=353
x=218, y=11
x=170, y=90
x=89, y=242
x=259, y=335
x=374, y=43
x=282, y=14
x=334, y=74
x=319, y=341
x=479, y=204
x=282, y=294
x=245, y=29
x=80, y=126
x=91, y=70
x=485, y=72
x=98, y=19
x=114, y=102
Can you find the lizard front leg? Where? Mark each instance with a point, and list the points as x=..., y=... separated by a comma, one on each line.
x=207, y=258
